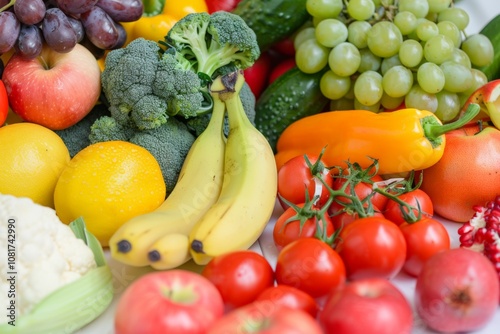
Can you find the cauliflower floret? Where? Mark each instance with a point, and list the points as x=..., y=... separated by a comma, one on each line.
x=47, y=253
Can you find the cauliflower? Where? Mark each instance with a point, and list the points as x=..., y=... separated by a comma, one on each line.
x=47, y=253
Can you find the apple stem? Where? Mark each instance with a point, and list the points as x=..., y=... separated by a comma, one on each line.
x=7, y=6
x=184, y=295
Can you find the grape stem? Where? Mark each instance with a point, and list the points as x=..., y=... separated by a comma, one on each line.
x=7, y=6
x=433, y=129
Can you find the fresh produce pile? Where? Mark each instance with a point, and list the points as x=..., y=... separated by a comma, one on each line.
x=176, y=136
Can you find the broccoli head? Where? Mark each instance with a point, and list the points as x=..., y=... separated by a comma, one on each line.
x=107, y=128
x=212, y=41
x=169, y=144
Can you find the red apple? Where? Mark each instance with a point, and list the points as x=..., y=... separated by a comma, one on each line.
x=174, y=301
x=264, y=317
x=371, y=305
x=55, y=90
x=487, y=97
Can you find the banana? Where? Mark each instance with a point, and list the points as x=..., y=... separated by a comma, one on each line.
x=248, y=194
x=170, y=251
x=197, y=189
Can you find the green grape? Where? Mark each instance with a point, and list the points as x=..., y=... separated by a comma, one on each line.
x=478, y=80
x=459, y=56
x=406, y=22
x=304, y=35
x=391, y=103
x=397, y=81
x=438, y=49
x=411, y=53
x=350, y=94
x=449, y=29
x=458, y=78
x=420, y=99
x=448, y=106
x=360, y=10
x=384, y=39
x=430, y=78
x=334, y=86
x=360, y=106
x=431, y=16
x=426, y=29
x=369, y=61
x=456, y=15
x=368, y=88
x=437, y=6
x=344, y=59
x=418, y=7
x=357, y=33
x=388, y=63
x=324, y=8
x=342, y=104
x=479, y=49
x=331, y=32
x=311, y=57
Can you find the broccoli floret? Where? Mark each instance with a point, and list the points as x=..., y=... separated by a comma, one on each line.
x=210, y=42
x=76, y=137
x=107, y=128
x=169, y=144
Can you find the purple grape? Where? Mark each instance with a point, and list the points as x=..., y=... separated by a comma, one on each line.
x=78, y=28
x=122, y=36
x=30, y=11
x=30, y=41
x=58, y=31
x=9, y=31
x=100, y=28
x=75, y=6
x=122, y=10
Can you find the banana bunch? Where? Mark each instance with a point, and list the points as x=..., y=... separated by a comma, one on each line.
x=223, y=198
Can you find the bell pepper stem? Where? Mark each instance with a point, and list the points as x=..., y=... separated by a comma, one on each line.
x=434, y=130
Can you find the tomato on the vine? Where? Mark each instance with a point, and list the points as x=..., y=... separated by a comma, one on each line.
x=285, y=295
x=240, y=276
x=342, y=216
x=292, y=225
x=310, y=265
x=302, y=174
x=362, y=190
x=424, y=238
x=372, y=247
x=416, y=198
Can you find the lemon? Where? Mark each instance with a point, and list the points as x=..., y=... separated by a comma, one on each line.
x=107, y=184
x=31, y=159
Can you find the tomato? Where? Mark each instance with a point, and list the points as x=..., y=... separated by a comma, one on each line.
x=216, y=5
x=310, y=265
x=466, y=174
x=4, y=104
x=240, y=276
x=341, y=216
x=257, y=75
x=296, y=176
x=285, y=295
x=362, y=190
x=415, y=198
x=303, y=224
x=372, y=247
x=280, y=69
x=424, y=238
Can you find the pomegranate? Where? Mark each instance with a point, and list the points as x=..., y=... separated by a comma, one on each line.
x=457, y=291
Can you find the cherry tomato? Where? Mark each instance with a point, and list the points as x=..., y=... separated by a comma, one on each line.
x=257, y=75
x=285, y=295
x=240, y=276
x=310, y=265
x=424, y=238
x=372, y=247
x=281, y=68
x=296, y=176
x=362, y=190
x=4, y=103
x=286, y=231
x=340, y=216
x=415, y=198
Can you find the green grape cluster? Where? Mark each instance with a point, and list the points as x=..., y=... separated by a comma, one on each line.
x=380, y=54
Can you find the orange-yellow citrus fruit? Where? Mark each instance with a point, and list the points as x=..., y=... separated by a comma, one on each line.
x=107, y=184
x=31, y=159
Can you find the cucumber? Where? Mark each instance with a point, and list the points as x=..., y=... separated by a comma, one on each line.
x=272, y=20
x=292, y=96
x=492, y=31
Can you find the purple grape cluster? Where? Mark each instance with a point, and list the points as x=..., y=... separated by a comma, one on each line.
x=61, y=24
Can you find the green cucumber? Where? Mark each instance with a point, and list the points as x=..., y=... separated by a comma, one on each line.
x=492, y=31
x=272, y=20
x=292, y=96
